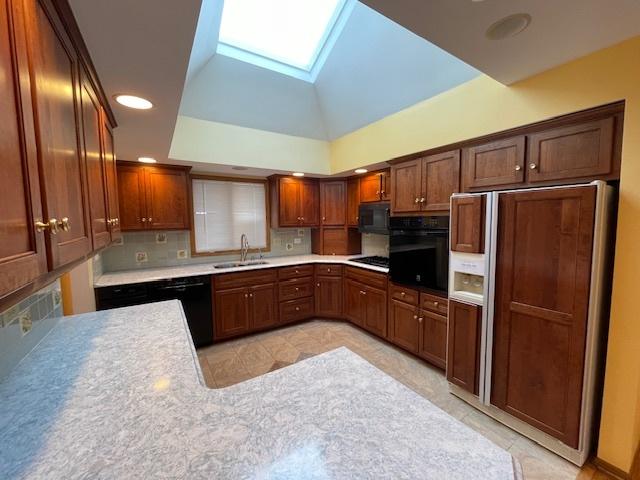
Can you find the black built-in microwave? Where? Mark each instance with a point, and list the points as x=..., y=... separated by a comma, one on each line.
x=374, y=218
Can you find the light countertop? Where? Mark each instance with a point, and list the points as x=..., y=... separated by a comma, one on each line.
x=118, y=394
x=126, y=277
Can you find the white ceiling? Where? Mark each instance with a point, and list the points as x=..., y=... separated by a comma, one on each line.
x=560, y=31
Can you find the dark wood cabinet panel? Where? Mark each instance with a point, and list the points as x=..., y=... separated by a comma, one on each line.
x=375, y=311
x=328, y=296
x=467, y=223
x=440, y=179
x=406, y=184
x=434, y=303
x=295, y=310
x=263, y=306
x=353, y=201
x=295, y=288
x=463, y=345
x=166, y=198
x=433, y=338
x=329, y=269
x=131, y=197
x=56, y=89
x=309, y=201
x=404, y=294
x=111, y=175
x=494, y=164
x=296, y=271
x=231, y=310
x=584, y=150
x=385, y=185
x=353, y=301
x=542, y=294
x=333, y=203
x=95, y=162
x=22, y=249
x=404, y=329
x=295, y=202
x=245, y=279
x=370, y=188
x=368, y=277
x=288, y=203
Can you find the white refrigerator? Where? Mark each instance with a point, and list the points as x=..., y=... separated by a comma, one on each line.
x=542, y=298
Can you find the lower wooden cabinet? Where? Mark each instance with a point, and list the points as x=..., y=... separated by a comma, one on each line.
x=263, y=306
x=433, y=338
x=404, y=329
x=353, y=301
x=463, y=345
x=244, y=309
x=328, y=296
x=294, y=310
x=366, y=306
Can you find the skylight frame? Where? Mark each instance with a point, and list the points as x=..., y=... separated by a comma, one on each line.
x=331, y=33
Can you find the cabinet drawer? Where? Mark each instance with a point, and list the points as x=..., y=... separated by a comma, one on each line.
x=296, y=271
x=329, y=269
x=407, y=295
x=434, y=303
x=244, y=279
x=296, y=310
x=295, y=288
x=368, y=277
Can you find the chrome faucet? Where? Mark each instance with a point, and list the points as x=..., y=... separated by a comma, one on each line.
x=244, y=247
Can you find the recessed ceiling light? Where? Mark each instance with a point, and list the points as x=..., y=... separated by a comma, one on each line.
x=298, y=174
x=146, y=160
x=132, y=101
x=508, y=26
x=361, y=170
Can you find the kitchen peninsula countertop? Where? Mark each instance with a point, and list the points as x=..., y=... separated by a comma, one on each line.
x=119, y=394
x=126, y=277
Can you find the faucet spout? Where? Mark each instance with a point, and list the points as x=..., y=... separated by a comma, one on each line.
x=244, y=247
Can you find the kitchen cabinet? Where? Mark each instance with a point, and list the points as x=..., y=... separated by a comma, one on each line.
x=365, y=299
x=231, y=312
x=541, y=307
x=425, y=184
x=295, y=202
x=494, y=164
x=433, y=337
x=375, y=187
x=404, y=329
x=263, y=306
x=353, y=301
x=22, y=249
x=336, y=241
x=111, y=178
x=467, y=223
x=353, y=201
x=296, y=293
x=333, y=203
x=153, y=197
x=463, y=345
x=571, y=152
x=328, y=295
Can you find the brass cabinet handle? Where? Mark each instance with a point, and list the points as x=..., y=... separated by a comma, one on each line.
x=144, y=219
x=117, y=219
x=417, y=200
x=435, y=304
x=246, y=295
x=318, y=284
x=110, y=222
x=150, y=219
x=533, y=166
x=297, y=289
x=377, y=192
x=415, y=317
x=422, y=200
x=362, y=292
x=64, y=224
x=302, y=218
x=518, y=168
x=324, y=218
x=251, y=295
x=52, y=225
x=420, y=320
x=328, y=270
x=297, y=309
x=382, y=192
x=402, y=294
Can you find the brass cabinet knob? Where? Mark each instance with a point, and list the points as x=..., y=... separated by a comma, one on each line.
x=297, y=289
x=302, y=218
x=110, y=221
x=318, y=284
x=402, y=294
x=382, y=192
x=533, y=166
x=518, y=168
x=435, y=304
x=417, y=200
x=117, y=220
x=144, y=220
x=377, y=192
x=415, y=317
x=297, y=309
x=52, y=225
x=251, y=295
x=422, y=200
x=324, y=218
x=150, y=219
x=64, y=224
x=420, y=320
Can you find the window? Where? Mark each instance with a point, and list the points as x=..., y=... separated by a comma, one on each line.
x=224, y=209
x=284, y=35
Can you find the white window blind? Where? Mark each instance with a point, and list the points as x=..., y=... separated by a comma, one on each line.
x=225, y=209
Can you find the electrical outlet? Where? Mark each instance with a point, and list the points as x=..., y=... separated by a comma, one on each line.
x=25, y=322
x=161, y=238
x=57, y=298
x=141, y=257
x=297, y=241
x=301, y=232
x=288, y=247
x=182, y=254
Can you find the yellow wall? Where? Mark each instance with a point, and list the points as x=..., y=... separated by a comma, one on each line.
x=484, y=106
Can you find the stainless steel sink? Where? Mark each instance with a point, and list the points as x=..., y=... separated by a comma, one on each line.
x=240, y=264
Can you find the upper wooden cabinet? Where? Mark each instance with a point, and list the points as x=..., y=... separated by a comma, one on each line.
x=493, y=164
x=111, y=178
x=353, y=201
x=295, y=202
x=467, y=223
x=425, y=184
x=335, y=241
x=375, y=187
x=575, y=151
x=333, y=202
x=153, y=197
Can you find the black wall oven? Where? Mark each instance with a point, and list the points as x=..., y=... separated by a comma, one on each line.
x=419, y=252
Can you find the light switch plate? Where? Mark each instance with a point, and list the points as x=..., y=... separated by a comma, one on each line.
x=161, y=238
x=297, y=241
x=25, y=322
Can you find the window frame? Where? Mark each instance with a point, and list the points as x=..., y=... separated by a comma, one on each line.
x=219, y=178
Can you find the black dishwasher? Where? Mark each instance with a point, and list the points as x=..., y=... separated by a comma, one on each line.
x=193, y=292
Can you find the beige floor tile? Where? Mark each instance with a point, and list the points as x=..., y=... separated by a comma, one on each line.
x=539, y=463
x=254, y=353
x=226, y=368
x=496, y=432
x=284, y=352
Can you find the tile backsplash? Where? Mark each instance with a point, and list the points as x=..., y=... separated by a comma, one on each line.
x=373, y=244
x=25, y=324
x=171, y=248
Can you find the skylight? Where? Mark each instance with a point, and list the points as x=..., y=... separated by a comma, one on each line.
x=289, y=32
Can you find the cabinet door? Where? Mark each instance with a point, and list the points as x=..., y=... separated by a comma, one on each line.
x=353, y=201
x=231, y=309
x=543, y=270
x=494, y=164
x=406, y=185
x=289, y=202
x=22, y=249
x=111, y=178
x=333, y=203
x=95, y=162
x=441, y=179
x=309, y=204
x=329, y=296
x=353, y=301
x=166, y=198
x=263, y=301
x=385, y=186
x=131, y=197
x=404, y=329
x=375, y=311
x=370, y=188
x=433, y=338
x=56, y=75
x=576, y=151
x=467, y=223
x=463, y=345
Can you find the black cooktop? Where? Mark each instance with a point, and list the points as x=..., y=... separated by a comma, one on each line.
x=374, y=260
